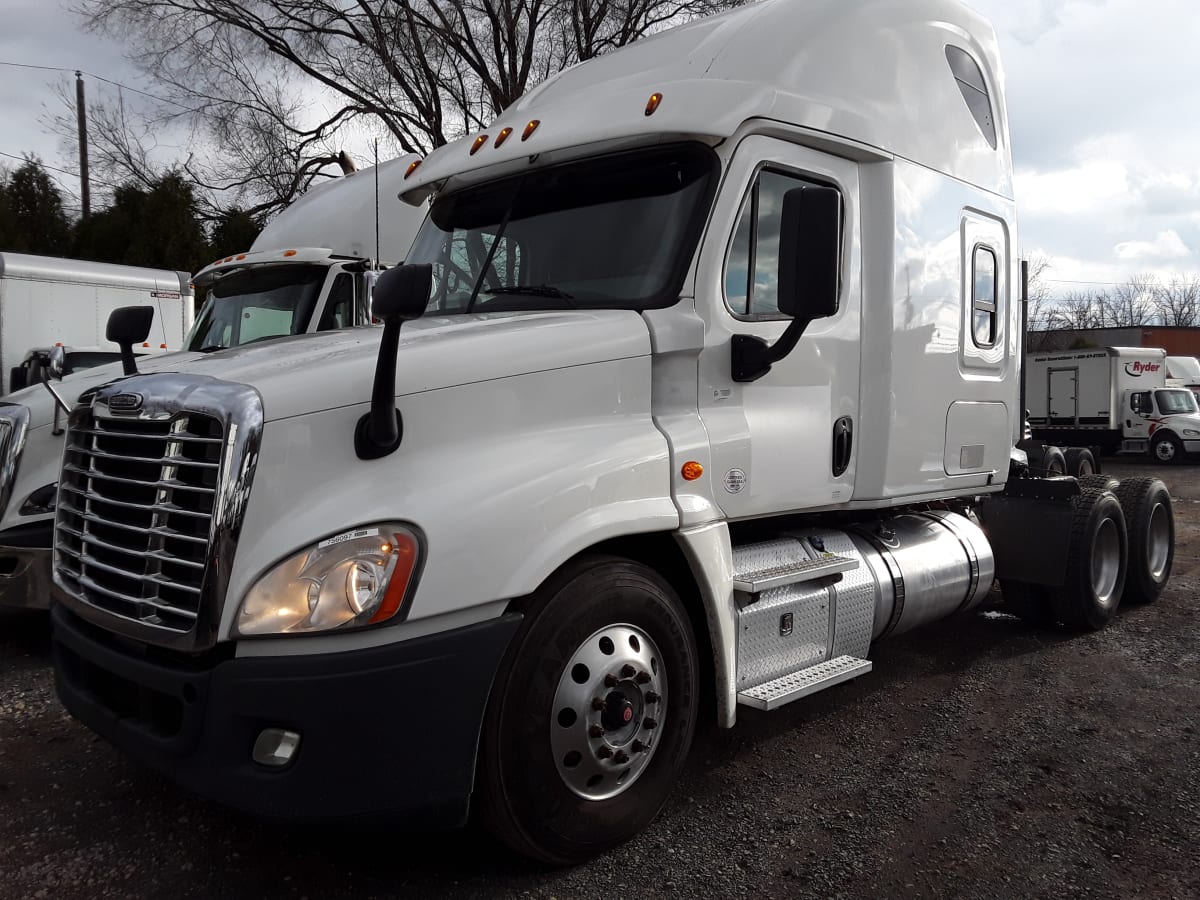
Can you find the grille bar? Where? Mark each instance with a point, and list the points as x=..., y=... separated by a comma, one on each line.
x=135, y=524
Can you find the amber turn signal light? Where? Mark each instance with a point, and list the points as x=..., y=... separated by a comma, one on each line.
x=691, y=470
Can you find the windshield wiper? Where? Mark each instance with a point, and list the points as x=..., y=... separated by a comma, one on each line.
x=211, y=348
x=531, y=290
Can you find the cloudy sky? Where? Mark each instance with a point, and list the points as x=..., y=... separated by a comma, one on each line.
x=1103, y=99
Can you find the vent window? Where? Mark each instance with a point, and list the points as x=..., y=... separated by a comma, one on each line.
x=974, y=91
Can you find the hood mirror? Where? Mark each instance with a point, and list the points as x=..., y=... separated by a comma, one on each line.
x=401, y=294
x=127, y=326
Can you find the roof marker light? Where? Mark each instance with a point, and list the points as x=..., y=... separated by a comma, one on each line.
x=146, y=344
x=412, y=167
x=652, y=103
x=530, y=128
x=502, y=136
x=241, y=256
x=162, y=346
x=228, y=259
x=289, y=252
x=479, y=142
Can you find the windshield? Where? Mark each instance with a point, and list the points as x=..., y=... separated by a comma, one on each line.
x=257, y=304
x=612, y=232
x=1172, y=403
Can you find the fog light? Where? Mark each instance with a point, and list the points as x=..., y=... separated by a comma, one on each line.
x=276, y=747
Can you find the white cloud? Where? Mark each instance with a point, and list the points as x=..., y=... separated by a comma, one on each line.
x=1166, y=245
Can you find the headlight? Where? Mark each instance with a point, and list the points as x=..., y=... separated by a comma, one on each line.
x=357, y=578
x=1191, y=432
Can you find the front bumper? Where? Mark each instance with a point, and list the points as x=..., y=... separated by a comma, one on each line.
x=25, y=560
x=386, y=732
x=1192, y=447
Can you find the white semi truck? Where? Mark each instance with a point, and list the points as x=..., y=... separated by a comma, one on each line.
x=1115, y=398
x=704, y=378
x=46, y=302
x=311, y=269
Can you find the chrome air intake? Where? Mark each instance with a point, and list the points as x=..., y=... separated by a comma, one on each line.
x=156, y=471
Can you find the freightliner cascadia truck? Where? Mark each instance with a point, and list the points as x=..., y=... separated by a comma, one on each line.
x=704, y=377
x=311, y=269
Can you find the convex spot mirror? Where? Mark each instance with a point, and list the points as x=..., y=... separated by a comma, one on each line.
x=402, y=293
x=56, y=365
x=810, y=241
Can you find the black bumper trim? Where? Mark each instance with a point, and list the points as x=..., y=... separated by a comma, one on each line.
x=386, y=732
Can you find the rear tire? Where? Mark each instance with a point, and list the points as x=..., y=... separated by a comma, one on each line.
x=1151, y=525
x=1167, y=449
x=1049, y=464
x=551, y=780
x=1080, y=462
x=1098, y=483
x=1096, y=563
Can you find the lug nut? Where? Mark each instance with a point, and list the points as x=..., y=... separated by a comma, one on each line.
x=649, y=722
x=598, y=703
x=642, y=677
x=604, y=753
x=627, y=671
x=652, y=697
x=596, y=731
x=610, y=680
x=621, y=757
x=639, y=747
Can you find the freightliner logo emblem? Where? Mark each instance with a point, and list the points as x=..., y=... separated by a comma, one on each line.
x=125, y=403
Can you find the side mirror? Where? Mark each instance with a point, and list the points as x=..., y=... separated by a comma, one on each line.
x=127, y=326
x=810, y=232
x=56, y=364
x=809, y=273
x=401, y=294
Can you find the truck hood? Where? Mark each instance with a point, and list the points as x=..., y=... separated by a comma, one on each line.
x=314, y=372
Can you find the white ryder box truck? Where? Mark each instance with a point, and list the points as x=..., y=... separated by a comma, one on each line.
x=311, y=269
x=1115, y=398
x=47, y=301
x=702, y=379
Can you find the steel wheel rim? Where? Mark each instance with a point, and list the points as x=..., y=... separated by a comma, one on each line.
x=608, y=708
x=1165, y=451
x=1158, y=542
x=1106, y=561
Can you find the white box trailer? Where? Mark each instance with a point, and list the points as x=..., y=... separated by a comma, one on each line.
x=708, y=347
x=47, y=301
x=1114, y=398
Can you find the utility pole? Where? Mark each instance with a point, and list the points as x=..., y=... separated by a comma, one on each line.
x=85, y=192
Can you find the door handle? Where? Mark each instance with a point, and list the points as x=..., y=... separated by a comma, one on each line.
x=843, y=439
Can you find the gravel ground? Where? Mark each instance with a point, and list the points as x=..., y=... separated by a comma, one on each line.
x=981, y=758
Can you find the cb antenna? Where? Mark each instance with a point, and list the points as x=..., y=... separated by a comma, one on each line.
x=376, y=202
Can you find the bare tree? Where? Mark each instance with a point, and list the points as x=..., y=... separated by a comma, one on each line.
x=1178, y=301
x=1039, y=309
x=1131, y=304
x=277, y=83
x=1079, y=310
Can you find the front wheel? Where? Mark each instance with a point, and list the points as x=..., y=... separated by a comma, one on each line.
x=592, y=712
x=1167, y=449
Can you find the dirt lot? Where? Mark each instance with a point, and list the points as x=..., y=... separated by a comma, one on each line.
x=980, y=759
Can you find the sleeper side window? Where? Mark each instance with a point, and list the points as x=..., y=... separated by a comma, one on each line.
x=983, y=297
x=752, y=269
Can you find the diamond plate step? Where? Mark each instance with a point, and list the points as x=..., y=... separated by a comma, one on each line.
x=772, y=576
x=794, y=685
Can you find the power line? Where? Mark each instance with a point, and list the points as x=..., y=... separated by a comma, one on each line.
x=56, y=168
x=99, y=78
x=1069, y=281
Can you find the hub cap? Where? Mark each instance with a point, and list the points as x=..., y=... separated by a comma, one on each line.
x=1158, y=542
x=611, y=699
x=1106, y=562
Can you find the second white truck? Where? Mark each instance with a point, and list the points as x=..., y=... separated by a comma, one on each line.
x=1114, y=398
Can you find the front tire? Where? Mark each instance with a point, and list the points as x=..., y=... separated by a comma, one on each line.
x=592, y=712
x=1167, y=449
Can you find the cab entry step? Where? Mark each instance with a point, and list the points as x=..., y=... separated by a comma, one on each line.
x=794, y=685
x=763, y=573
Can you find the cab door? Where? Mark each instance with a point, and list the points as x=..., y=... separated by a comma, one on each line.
x=786, y=441
x=1139, y=410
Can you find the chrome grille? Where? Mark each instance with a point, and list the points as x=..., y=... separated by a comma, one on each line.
x=134, y=524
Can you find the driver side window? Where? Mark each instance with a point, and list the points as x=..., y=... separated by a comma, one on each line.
x=1140, y=402
x=752, y=269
